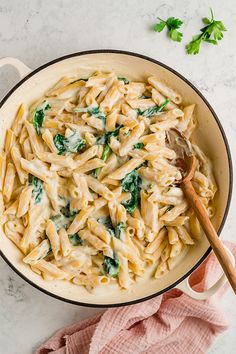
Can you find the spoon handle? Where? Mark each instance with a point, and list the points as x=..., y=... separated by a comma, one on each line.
x=210, y=232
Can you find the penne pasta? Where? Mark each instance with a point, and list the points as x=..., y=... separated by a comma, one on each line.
x=128, y=167
x=79, y=221
x=66, y=247
x=165, y=90
x=16, y=156
x=9, y=181
x=19, y=120
x=3, y=166
x=184, y=235
x=132, y=139
x=53, y=238
x=99, y=188
x=10, y=140
x=24, y=201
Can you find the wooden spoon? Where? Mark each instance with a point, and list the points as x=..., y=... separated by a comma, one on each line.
x=186, y=161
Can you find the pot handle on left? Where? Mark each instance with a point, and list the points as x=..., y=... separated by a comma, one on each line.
x=185, y=287
x=22, y=69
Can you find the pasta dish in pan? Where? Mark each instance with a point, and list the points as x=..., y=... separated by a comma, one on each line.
x=88, y=181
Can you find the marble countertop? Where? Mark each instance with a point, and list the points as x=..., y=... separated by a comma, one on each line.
x=38, y=31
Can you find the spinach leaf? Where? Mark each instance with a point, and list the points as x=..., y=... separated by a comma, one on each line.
x=66, y=211
x=105, y=152
x=119, y=229
x=96, y=113
x=37, y=191
x=126, y=133
x=61, y=221
x=152, y=110
x=126, y=81
x=104, y=157
x=111, y=266
x=105, y=138
x=131, y=183
x=39, y=116
x=59, y=143
x=106, y=221
x=170, y=207
x=64, y=219
x=114, y=231
x=75, y=239
x=73, y=143
x=93, y=111
x=47, y=252
x=138, y=146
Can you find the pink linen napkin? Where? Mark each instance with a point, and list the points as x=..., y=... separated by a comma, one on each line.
x=170, y=323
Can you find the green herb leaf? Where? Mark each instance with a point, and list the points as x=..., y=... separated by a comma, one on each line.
x=114, y=231
x=59, y=142
x=73, y=143
x=61, y=221
x=96, y=113
x=67, y=212
x=152, y=110
x=106, y=221
x=104, y=157
x=126, y=81
x=172, y=24
x=45, y=250
x=39, y=116
x=131, y=183
x=65, y=218
x=194, y=46
x=126, y=133
x=37, y=191
x=111, y=266
x=164, y=104
x=212, y=41
x=211, y=33
x=105, y=138
x=93, y=111
x=119, y=229
x=206, y=21
x=138, y=146
x=158, y=27
x=105, y=152
x=170, y=207
x=175, y=35
x=75, y=239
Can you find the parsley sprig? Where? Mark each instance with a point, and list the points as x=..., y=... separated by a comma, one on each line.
x=172, y=24
x=211, y=33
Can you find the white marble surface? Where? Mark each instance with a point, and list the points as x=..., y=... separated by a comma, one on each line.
x=38, y=31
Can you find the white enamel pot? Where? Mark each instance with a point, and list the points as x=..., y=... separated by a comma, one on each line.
x=210, y=136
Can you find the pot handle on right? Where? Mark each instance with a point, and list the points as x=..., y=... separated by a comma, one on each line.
x=22, y=69
x=185, y=287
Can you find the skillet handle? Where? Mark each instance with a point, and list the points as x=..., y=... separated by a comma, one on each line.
x=22, y=69
x=185, y=287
